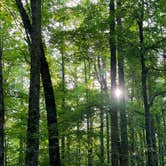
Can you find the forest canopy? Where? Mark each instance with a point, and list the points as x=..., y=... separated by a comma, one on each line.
x=82, y=83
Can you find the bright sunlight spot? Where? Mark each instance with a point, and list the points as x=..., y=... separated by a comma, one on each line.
x=118, y=92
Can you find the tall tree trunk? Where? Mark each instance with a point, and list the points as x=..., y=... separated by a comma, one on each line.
x=53, y=134
x=150, y=160
x=122, y=110
x=100, y=70
x=102, y=80
x=131, y=133
x=108, y=137
x=160, y=141
x=88, y=117
x=63, y=101
x=32, y=148
x=114, y=115
x=1, y=108
x=101, y=136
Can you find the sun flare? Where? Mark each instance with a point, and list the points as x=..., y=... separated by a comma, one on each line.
x=118, y=92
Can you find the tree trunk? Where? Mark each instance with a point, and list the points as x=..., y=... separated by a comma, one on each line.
x=108, y=137
x=114, y=115
x=101, y=136
x=160, y=141
x=144, y=91
x=122, y=110
x=53, y=135
x=32, y=148
x=88, y=118
x=63, y=102
x=1, y=109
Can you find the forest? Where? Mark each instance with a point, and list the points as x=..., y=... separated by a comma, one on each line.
x=82, y=83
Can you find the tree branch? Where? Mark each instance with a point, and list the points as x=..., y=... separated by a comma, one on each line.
x=24, y=16
x=156, y=95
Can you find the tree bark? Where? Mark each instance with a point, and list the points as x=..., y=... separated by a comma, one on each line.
x=88, y=118
x=1, y=109
x=63, y=102
x=32, y=148
x=114, y=115
x=101, y=136
x=53, y=134
x=122, y=110
x=150, y=160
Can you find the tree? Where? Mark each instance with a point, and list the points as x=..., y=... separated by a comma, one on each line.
x=49, y=94
x=122, y=109
x=114, y=115
x=1, y=105
x=33, y=113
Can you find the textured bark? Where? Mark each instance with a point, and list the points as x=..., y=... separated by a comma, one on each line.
x=1, y=110
x=122, y=110
x=54, y=154
x=53, y=135
x=114, y=115
x=32, y=148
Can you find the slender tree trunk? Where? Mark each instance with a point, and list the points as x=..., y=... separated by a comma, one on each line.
x=5, y=151
x=108, y=137
x=101, y=136
x=63, y=102
x=100, y=69
x=114, y=115
x=132, y=147
x=88, y=117
x=122, y=110
x=123, y=121
x=1, y=108
x=53, y=134
x=132, y=139
x=160, y=141
x=32, y=148
x=144, y=91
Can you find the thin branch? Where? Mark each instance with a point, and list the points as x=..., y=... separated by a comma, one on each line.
x=154, y=97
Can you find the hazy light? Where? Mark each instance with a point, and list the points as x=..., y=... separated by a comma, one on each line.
x=118, y=92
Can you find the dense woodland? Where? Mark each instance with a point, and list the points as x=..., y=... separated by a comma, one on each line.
x=82, y=82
